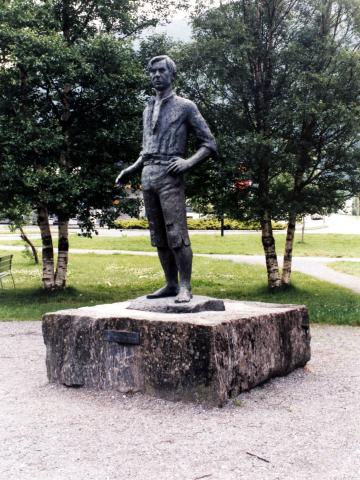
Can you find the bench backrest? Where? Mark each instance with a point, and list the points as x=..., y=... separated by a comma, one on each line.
x=5, y=263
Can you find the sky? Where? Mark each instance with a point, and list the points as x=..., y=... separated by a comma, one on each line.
x=178, y=29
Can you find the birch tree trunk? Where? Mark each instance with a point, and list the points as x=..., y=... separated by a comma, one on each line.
x=268, y=242
x=27, y=240
x=289, y=244
x=63, y=254
x=48, y=276
x=303, y=230
x=302, y=162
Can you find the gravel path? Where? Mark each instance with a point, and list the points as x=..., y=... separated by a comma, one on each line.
x=303, y=426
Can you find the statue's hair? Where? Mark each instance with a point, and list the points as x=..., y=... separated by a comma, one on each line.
x=169, y=63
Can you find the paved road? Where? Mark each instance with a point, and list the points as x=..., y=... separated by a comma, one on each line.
x=314, y=266
x=300, y=427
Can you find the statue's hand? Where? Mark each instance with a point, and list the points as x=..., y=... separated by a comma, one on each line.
x=178, y=165
x=122, y=177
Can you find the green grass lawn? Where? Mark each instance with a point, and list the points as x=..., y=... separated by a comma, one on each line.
x=95, y=279
x=352, y=268
x=323, y=245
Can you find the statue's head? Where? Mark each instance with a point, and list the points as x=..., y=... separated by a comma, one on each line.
x=162, y=70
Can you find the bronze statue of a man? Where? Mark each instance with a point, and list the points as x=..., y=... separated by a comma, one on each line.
x=167, y=120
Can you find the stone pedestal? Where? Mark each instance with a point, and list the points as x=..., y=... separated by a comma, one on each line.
x=207, y=356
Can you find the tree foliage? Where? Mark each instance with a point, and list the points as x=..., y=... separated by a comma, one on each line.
x=280, y=84
x=70, y=108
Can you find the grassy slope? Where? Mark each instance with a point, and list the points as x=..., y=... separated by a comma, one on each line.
x=95, y=279
x=351, y=268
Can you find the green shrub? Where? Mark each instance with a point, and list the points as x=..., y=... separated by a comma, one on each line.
x=132, y=223
x=229, y=224
x=199, y=224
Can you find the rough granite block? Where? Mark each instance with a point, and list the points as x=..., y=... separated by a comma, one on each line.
x=198, y=303
x=204, y=357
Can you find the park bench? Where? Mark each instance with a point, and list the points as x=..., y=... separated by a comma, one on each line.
x=5, y=268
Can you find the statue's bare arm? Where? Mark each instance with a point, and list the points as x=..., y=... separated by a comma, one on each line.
x=180, y=165
x=125, y=174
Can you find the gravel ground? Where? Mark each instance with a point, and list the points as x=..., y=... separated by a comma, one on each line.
x=303, y=426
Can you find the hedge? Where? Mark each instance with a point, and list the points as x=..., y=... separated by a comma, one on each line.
x=199, y=224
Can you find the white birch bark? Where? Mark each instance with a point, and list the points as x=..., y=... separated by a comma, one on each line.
x=289, y=244
x=63, y=254
x=268, y=242
x=48, y=276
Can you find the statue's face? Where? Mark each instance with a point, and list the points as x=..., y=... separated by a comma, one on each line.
x=160, y=75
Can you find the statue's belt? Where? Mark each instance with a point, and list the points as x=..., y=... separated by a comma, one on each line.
x=157, y=159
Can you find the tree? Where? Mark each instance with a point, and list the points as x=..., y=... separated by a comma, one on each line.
x=70, y=104
x=280, y=81
x=18, y=219
x=321, y=128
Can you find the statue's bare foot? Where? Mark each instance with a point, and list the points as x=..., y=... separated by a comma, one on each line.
x=167, y=291
x=184, y=295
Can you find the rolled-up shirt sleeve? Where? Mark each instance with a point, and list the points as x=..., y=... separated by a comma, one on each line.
x=200, y=128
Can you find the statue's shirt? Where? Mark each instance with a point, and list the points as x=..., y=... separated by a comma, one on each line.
x=167, y=123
